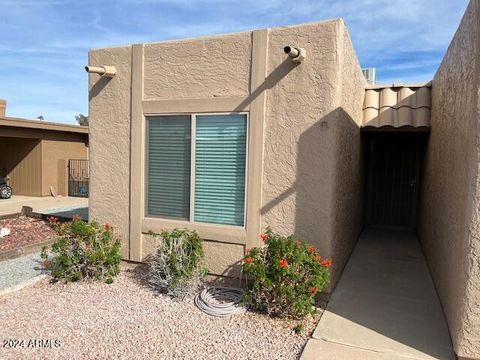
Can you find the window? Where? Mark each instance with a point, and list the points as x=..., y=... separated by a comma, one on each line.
x=201, y=180
x=169, y=166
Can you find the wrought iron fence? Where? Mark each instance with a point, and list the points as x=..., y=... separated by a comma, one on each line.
x=78, y=177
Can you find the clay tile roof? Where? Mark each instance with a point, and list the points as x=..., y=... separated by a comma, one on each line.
x=397, y=105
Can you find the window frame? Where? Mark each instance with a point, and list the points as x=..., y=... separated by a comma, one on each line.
x=193, y=132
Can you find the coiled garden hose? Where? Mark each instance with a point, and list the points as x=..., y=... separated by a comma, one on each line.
x=220, y=301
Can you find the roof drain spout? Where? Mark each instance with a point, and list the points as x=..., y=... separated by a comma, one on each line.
x=296, y=54
x=108, y=71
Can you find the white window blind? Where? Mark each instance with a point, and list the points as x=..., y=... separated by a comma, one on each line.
x=220, y=155
x=169, y=151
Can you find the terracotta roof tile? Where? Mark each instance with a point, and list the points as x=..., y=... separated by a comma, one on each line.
x=397, y=105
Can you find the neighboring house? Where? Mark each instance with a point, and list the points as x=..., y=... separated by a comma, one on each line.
x=34, y=154
x=227, y=135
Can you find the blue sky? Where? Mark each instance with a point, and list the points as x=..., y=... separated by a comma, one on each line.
x=45, y=42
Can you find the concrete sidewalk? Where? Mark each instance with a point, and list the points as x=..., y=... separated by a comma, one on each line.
x=384, y=307
x=15, y=203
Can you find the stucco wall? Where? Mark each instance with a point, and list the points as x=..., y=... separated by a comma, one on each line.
x=449, y=219
x=349, y=163
x=311, y=114
x=312, y=140
x=198, y=68
x=109, y=120
x=299, y=142
x=55, y=156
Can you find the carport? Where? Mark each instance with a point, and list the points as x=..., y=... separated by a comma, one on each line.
x=34, y=154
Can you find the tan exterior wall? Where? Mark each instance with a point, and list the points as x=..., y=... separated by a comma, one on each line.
x=449, y=220
x=33, y=163
x=312, y=126
x=21, y=163
x=109, y=120
x=55, y=156
x=3, y=107
x=303, y=120
x=198, y=68
x=349, y=163
x=3, y=157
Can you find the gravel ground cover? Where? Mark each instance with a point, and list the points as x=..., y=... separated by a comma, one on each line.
x=127, y=320
x=23, y=231
x=21, y=270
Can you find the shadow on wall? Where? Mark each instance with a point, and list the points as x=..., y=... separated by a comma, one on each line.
x=270, y=81
x=98, y=87
x=328, y=189
x=232, y=276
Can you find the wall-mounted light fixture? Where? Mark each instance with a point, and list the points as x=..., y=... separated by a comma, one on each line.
x=296, y=54
x=108, y=71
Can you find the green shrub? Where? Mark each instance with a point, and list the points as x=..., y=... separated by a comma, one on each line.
x=284, y=276
x=83, y=251
x=298, y=329
x=177, y=265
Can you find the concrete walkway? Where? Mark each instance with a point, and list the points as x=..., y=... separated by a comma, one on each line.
x=384, y=306
x=15, y=203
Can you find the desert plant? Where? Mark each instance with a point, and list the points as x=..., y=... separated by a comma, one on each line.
x=284, y=275
x=176, y=267
x=83, y=251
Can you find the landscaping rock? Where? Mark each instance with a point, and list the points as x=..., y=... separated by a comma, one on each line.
x=4, y=232
x=23, y=231
x=127, y=320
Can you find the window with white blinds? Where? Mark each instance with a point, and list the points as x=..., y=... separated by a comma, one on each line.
x=220, y=156
x=169, y=152
x=213, y=191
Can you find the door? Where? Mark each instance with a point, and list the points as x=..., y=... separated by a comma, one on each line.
x=78, y=177
x=393, y=168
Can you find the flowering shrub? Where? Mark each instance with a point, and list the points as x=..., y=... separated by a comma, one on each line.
x=284, y=275
x=83, y=251
x=177, y=266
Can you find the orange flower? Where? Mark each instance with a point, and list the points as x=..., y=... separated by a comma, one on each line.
x=326, y=263
x=249, y=260
x=264, y=237
x=107, y=227
x=283, y=263
x=312, y=290
x=318, y=258
x=76, y=217
x=312, y=250
x=52, y=219
x=298, y=242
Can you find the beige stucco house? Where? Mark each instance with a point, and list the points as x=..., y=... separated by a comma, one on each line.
x=228, y=135
x=35, y=155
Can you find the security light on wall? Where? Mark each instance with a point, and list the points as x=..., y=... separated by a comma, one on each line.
x=295, y=53
x=108, y=71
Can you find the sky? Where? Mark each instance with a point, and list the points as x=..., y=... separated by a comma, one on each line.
x=44, y=43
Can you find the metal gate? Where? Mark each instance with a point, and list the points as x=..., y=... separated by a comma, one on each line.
x=78, y=176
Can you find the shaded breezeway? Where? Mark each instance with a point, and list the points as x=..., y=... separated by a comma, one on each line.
x=384, y=306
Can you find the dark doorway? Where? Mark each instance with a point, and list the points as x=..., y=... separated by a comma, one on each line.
x=78, y=178
x=393, y=178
